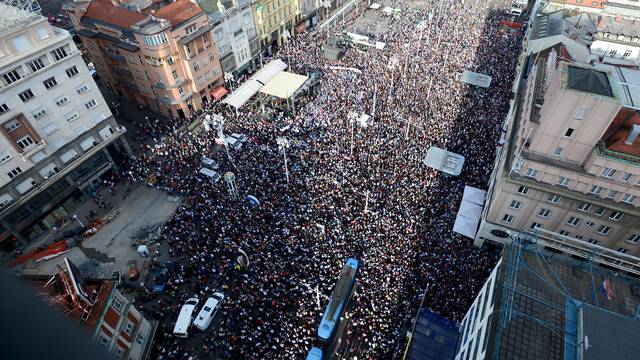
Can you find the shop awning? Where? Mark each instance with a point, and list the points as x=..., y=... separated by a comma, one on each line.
x=219, y=92
x=470, y=212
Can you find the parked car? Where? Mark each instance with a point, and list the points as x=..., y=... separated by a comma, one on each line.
x=208, y=311
x=181, y=328
x=209, y=174
x=210, y=163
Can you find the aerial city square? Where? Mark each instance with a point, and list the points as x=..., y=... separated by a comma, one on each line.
x=306, y=179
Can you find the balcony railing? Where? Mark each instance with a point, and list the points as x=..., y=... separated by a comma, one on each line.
x=173, y=101
x=615, y=155
x=179, y=82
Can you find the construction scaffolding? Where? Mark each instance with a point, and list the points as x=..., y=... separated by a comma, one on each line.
x=549, y=301
x=15, y=12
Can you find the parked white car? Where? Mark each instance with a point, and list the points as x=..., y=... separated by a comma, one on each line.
x=208, y=311
x=181, y=329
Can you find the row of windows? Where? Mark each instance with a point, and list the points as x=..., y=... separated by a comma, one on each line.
x=585, y=206
x=49, y=83
x=595, y=189
x=153, y=40
x=35, y=65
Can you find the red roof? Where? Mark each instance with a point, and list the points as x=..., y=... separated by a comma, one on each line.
x=178, y=12
x=110, y=14
x=618, y=131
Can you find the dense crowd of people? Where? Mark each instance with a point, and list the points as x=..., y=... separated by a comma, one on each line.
x=354, y=190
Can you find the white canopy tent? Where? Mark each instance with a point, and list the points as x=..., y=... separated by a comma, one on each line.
x=284, y=84
x=470, y=212
x=476, y=79
x=250, y=88
x=443, y=160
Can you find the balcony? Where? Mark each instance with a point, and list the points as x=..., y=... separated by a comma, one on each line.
x=30, y=151
x=179, y=82
x=601, y=147
x=173, y=101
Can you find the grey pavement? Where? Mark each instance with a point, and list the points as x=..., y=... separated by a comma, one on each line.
x=110, y=248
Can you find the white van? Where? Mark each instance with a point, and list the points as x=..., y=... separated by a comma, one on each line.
x=181, y=329
x=208, y=311
x=209, y=174
x=516, y=10
x=233, y=142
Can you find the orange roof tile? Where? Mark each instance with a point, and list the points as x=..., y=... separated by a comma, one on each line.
x=619, y=130
x=178, y=12
x=110, y=14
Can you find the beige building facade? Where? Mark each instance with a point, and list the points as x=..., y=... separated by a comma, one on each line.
x=572, y=166
x=273, y=19
x=163, y=59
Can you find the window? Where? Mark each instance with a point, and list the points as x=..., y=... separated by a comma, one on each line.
x=196, y=67
x=600, y=211
x=627, y=53
x=616, y=215
x=592, y=241
x=21, y=43
x=564, y=233
x=557, y=151
x=207, y=75
x=4, y=157
x=625, y=177
x=579, y=237
x=3, y=108
x=50, y=82
x=612, y=51
x=629, y=199
x=175, y=74
x=59, y=53
x=569, y=133
x=181, y=91
x=612, y=194
x=116, y=304
x=589, y=224
x=536, y=226
x=200, y=80
x=90, y=104
x=82, y=89
x=523, y=190
x=634, y=238
x=580, y=113
x=608, y=172
x=25, y=142
x=595, y=190
x=154, y=40
x=103, y=340
x=211, y=56
x=39, y=114
x=507, y=218
x=128, y=327
x=42, y=33
x=139, y=339
x=13, y=173
x=190, y=29
x=554, y=199
x=26, y=95
x=36, y=65
x=573, y=221
x=563, y=181
x=544, y=213
x=69, y=117
x=72, y=71
x=603, y=230
x=62, y=100
x=532, y=173
x=11, y=76
x=622, y=250
x=515, y=204
x=585, y=207
x=12, y=125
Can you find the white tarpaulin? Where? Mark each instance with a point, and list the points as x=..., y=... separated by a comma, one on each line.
x=284, y=84
x=241, y=95
x=476, y=79
x=443, y=160
x=470, y=212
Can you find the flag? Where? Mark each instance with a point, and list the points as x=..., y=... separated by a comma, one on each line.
x=607, y=290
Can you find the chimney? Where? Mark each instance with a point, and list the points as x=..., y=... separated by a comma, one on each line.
x=633, y=134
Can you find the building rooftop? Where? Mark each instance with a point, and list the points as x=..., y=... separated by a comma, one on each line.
x=107, y=13
x=611, y=335
x=433, y=338
x=179, y=12
x=540, y=295
x=589, y=80
x=617, y=134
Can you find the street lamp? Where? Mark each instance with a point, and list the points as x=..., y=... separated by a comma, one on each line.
x=217, y=121
x=283, y=144
x=287, y=35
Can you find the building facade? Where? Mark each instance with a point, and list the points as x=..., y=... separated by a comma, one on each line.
x=163, y=59
x=57, y=134
x=234, y=34
x=572, y=166
x=109, y=317
x=274, y=19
